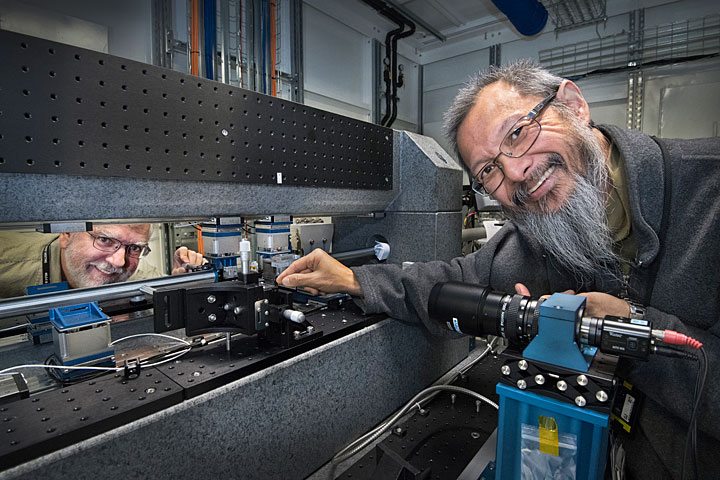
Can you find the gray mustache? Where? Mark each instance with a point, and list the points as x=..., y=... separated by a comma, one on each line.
x=520, y=195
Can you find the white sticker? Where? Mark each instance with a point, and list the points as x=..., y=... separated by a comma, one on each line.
x=279, y=178
x=627, y=408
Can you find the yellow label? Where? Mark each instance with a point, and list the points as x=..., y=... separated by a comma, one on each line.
x=627, y=385
x=548, y=431
x=622, y=422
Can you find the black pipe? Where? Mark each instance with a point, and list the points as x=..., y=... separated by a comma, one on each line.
x=388, y=72
x=391, y=40
x=395, y=80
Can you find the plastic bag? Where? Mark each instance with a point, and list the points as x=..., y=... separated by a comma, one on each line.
x=538, y=465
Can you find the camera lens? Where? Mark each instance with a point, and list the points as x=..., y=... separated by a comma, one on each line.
x=477, y=310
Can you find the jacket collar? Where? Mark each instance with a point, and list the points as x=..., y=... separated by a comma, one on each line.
x=645, y=181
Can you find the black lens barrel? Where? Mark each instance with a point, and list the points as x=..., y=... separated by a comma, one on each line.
x=477, y=310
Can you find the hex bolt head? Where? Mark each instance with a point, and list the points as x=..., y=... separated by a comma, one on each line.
x=582, y=380
x=211, y=299
x=580, y=401
x=522, y=384
x=523, y=365
x=539, y=379
x=562, y=385
x=212, y=317
x=601, y=396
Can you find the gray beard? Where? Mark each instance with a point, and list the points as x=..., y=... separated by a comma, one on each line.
x=577, y=237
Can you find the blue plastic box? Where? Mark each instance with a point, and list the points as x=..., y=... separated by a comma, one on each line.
x=76, y=316
x=518, y=407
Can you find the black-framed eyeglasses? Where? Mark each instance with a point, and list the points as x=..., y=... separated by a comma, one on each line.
x=112, y=245
x=517, y=142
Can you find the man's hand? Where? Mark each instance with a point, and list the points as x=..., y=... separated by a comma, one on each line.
x=597, y=304
x=319, y=272
x=184, y=257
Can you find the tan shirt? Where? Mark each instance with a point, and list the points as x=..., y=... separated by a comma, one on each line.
x=21, y=262
x=618, y=211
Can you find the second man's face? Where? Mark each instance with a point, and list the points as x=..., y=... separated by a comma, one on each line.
x=86, y=266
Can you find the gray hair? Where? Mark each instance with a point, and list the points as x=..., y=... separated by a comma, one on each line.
x=524, y=75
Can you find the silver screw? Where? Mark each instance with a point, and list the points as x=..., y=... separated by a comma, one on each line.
x=580, y=401
x=267, y=312
x=505, y=370
x=212, y=317
x=196, y=374
x=150, y=390
x=601, y=396
x=522, y=384
x=267, y=324
x=539, y=379
x=475, y=435
x=237, y=310
x=211, y=299
x=265, y=301
x=310, y=329
x=227, y=307
x=523, y=364
x=224, y=132
x=582, y=380
x=561, y=385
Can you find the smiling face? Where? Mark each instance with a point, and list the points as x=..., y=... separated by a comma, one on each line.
x=543, y=179
x=85, y=266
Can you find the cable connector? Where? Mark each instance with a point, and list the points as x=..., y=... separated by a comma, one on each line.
x=675, y=353
x=672, y=337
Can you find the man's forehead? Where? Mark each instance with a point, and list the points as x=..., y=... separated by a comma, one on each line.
x=130, y=233
x=499, y=99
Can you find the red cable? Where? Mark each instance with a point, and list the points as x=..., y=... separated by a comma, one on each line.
x=674, y=338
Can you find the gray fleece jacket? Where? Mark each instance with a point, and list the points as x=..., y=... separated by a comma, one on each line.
x=682, y=271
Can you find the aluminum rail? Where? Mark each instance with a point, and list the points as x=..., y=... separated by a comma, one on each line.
x=45, y=301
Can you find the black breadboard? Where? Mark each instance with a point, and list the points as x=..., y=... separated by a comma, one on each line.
x=442, y=442
x=55, y=419
x=67, y=110
x=211, y=366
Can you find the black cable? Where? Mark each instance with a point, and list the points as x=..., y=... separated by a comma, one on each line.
x=691, y=440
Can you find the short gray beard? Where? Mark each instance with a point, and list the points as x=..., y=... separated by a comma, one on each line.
x=77, y=267
x=577, y=236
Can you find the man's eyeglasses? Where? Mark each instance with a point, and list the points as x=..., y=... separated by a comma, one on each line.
x=112, y=245
x=516, y=143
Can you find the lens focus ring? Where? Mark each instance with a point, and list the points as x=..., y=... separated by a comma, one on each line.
x=513, y=330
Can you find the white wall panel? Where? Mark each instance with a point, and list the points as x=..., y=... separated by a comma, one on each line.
x=337, y=61
x=454, y=71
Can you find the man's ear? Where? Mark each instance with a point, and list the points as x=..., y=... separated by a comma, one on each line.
x=570, y=95
x=63, y=240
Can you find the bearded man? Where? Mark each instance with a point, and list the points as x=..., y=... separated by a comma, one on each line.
x=107, y=254
x=615, y=215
